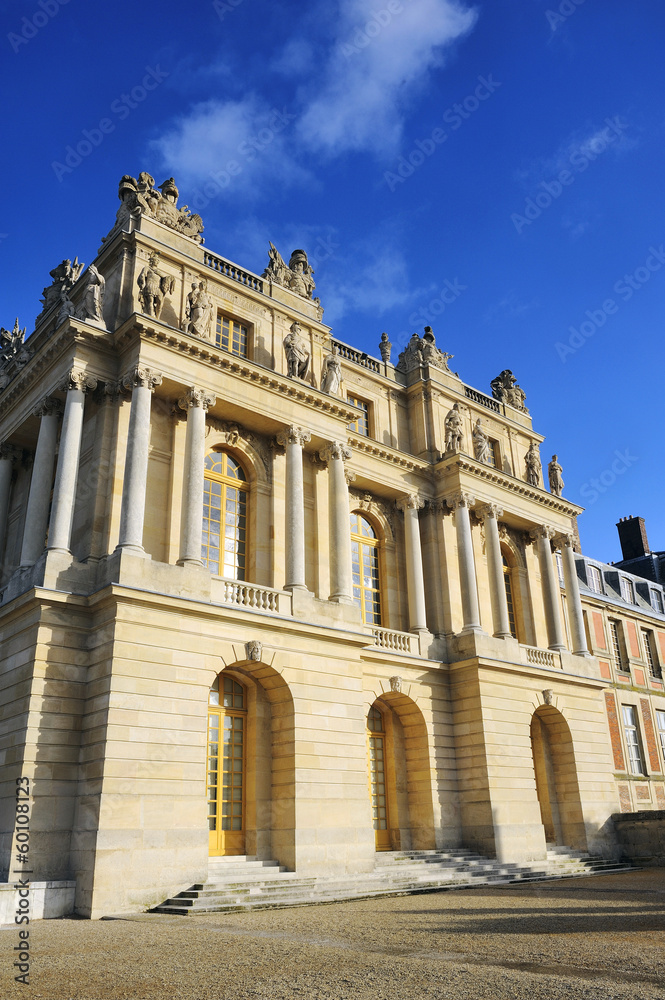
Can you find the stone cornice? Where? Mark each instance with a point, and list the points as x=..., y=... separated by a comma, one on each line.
x=206, y=352
x=404, y=461
x=486, y=472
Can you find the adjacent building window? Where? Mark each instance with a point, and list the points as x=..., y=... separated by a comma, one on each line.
x=231, y=335
x=595, y=580
x=650, y=651
x=365, y=568
x=635, y=755
x=627, y=590
x=617, y=645
x=657, y=601
x=224, y=539
x=361, y=424
x=660, y=722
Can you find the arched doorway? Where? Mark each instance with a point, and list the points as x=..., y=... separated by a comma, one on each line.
x=400, y=774
x=556, y=779
x=226, y=766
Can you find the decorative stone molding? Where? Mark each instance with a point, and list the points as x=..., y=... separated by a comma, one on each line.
x=254, y=649
x=142, y=377
x=396, y=684
x=48, y=407
x=293, y=435
x=197, y=397
x=410, y=502
x=77, y=379
x=460, y=499
x=542, y=531
x=335, y=450
x=233, y=434
x=489, y=510
x=548, y=696
x=349, y=476
x=563, y=539
x=380, y=508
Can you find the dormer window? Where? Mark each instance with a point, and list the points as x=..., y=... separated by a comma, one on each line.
x=627, y=592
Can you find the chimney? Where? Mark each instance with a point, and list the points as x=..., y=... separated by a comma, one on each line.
x=633, y=537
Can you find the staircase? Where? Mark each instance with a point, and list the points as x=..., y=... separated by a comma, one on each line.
x=245, y=883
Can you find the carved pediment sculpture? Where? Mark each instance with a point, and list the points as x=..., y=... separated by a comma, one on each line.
x=297, y=276
x=65, y=276
x=154, y=287
x=141, y=197
x=423, y=351
x=506, y=390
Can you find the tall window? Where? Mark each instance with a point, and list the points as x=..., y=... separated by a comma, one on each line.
x=657, y=601
x=627, y=590
x=595, y=583
x=494, y=454
x=230, y=335
x=635, y=755
x=617, y=646
x=507, y=579
x=650, y=651
x=361, y=424
x=224, y=539
x=365, y=565
x=660, y=722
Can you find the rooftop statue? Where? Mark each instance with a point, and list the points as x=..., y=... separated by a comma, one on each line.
x=13, y=354
x=556, y=480
x=506, y=390
x=453, y=425
x=140, y=197
x=65, y=276
x=331, y=372
x=297, y=352
x=90, y=307
x=533, y=466
x=154, y=287
x=481, y=444
x=199, y=311
x=297, y=275
x=423, y=351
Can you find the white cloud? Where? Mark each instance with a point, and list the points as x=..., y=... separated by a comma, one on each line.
x=374, y=66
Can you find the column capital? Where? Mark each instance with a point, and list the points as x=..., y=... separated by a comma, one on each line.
x=486, y=510
x=197, y=397
x=412, y=501
x=49, y=407
x=542, y=531
x=142, y=377
x=335, y=450
x=11, y=452
x=563, y=539
x=293, y=435
x=76, y=378
x=460, y=499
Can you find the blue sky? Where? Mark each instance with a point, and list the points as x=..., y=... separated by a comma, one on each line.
x=509, y=150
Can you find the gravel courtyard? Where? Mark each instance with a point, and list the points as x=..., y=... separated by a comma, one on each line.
x=601, y=938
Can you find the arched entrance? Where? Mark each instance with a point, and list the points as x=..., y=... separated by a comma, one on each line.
x=251, y=764
x=556, y=779
x=400, y=774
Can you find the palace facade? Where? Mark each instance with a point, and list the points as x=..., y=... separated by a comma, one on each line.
x=264, y=594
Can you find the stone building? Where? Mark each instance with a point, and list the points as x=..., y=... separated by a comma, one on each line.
x=264, y=594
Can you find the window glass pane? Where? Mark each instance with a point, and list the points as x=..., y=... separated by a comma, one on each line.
x=224, y=498
x=231, y=335
x=361, y=424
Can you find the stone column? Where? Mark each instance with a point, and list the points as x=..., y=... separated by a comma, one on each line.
x=415, y=581
x=293, y=439
x=543, y=536
x=490, y=514
x=460, y=503
x=36, y=515
x=8, y=455
x=141, y=382
x=196, y=402
x=334, y=455
x=575, y=615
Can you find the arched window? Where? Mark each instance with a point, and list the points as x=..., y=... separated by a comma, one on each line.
x=365, y=565
x=227, y=716
x=510, y=600
x=224, y=539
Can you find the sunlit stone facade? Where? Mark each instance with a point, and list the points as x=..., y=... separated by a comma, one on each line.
x=196, y=542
